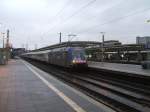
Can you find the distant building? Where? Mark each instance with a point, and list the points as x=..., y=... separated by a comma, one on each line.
x=143, y=40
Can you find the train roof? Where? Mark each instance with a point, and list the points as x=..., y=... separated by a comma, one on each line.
x=57, y=49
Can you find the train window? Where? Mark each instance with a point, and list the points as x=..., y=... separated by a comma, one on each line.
x=78, y=54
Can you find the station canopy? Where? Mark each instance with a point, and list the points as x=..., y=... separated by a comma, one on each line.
x=71, y=44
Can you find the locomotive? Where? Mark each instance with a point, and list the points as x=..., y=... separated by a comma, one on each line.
x=70, y=57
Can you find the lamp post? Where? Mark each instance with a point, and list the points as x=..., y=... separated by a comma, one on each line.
x=148, y=55
x=6, y=47
x=60, y=34
x=3, y=40
x=3, y=36
x=103, y=38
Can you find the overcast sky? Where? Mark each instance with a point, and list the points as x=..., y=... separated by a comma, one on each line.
x=39, y=21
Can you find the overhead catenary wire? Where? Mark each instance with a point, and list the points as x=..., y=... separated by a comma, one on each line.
x=79, y=10
x=101, y=24
x=95, y=16
x=62, y=9
x=59, y=13
x=75, y=13
x=117, y=19
x=99, y=13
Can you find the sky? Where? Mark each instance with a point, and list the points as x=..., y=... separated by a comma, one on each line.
x=37, y=23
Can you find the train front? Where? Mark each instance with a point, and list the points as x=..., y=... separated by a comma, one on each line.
x=79, y=58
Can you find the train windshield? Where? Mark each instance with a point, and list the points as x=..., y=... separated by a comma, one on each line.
x=78, y=54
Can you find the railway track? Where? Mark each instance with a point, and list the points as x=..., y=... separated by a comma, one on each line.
x=120, y=94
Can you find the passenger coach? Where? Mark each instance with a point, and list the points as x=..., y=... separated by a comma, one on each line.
x=66, y=56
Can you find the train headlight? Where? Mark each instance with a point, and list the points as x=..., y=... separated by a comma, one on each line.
x=73, y=61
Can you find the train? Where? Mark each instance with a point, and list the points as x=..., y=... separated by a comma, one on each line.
x=69, y=57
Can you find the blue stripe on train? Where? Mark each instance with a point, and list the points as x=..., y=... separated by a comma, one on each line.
x=69, y=58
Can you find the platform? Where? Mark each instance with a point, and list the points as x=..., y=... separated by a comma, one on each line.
x=25, y=88
x=116, y=67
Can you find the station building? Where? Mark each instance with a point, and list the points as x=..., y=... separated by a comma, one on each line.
x=143, y=40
